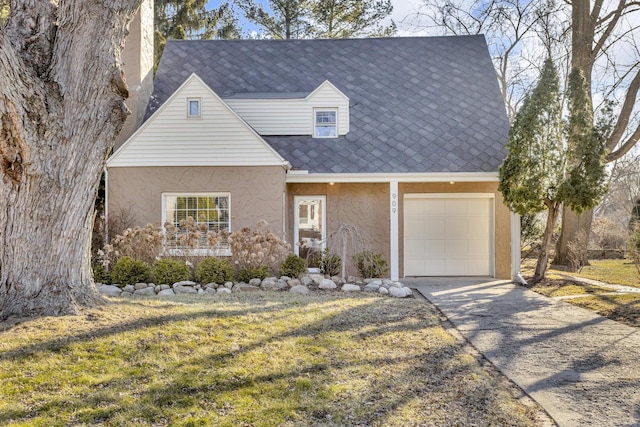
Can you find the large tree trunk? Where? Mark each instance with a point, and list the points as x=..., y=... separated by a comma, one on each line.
x=574, y=236
x=575, y=225
x=61, y=105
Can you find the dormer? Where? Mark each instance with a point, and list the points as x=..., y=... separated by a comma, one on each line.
x=321, y=113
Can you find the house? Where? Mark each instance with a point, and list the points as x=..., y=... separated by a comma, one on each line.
x=402, y=137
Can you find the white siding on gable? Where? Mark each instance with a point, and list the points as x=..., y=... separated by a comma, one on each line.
x=217, y=138
x=278, y=116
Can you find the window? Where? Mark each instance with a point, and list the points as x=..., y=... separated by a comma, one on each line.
x=209, y=210
x=193, y=107
x=326, y=124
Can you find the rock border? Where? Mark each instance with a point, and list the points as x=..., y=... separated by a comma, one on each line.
x=307, y=284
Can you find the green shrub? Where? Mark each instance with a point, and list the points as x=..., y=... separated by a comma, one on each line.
x=214, y=270
x=331, y=263
x=370, y=264
x=247, y=274
x=170, y=271
x=100, y=274
x=129, y=271
x=293, y=266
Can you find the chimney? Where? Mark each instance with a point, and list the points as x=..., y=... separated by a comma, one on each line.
x=137, y=57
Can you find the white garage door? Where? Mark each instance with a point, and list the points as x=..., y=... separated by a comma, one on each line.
x=446, y=236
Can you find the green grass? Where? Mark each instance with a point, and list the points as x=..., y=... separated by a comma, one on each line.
x=615, y=271
x=271, y=359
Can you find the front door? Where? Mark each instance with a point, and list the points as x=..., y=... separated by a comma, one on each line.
x=310, y=237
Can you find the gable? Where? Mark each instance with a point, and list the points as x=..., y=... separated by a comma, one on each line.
x=290, y=114
x=218, y=137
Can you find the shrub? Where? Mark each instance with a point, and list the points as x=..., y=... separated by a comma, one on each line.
x=101, y=275
x=293, y=266
x=370, y=264
x=247, y=274
x=214, y=270
x=129, y=271
x=141, y=243
x=251, y=249
x=331, y=263
x=170, y=271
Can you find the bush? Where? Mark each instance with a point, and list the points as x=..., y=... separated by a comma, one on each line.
x=331, y=263
x=251, y=249
x=247, y=274
x=214, y=270
x=370, y=264
x=101, y=275
x=170, y=271
x=129, y=271
x=293, y=266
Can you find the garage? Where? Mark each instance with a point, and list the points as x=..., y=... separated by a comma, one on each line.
x=448, y=234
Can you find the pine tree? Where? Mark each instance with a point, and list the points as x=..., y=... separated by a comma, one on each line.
x=533, y=168
x=535, y=175
x=297, y=19
x=190, y=19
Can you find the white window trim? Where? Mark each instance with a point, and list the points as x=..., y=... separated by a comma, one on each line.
x=194, y=116
x=296, y=220
x=318, y=110
x=194, y=252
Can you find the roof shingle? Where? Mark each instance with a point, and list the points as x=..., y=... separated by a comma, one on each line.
x=417, y=104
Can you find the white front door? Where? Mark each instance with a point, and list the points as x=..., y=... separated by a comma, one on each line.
x=310, y=233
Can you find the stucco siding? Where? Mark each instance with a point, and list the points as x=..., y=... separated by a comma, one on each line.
x=217, y=138
x=256, y=192
x=291, y=116
x=502, y=219
x=363, y=205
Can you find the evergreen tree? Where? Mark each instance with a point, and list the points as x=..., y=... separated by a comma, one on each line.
x=536, y=175
x=190, y=19
x=351, y=18
x=297, y=19
x=533, y=168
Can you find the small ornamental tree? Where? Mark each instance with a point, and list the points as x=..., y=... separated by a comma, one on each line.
x=535, y=175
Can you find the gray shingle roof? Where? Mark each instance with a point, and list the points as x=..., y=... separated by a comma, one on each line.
x=417, y=104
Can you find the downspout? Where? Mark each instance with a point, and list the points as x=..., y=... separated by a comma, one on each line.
x=106, y=206
x=516, y=256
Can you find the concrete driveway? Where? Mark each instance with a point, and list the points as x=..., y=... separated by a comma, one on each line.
x=583, y=369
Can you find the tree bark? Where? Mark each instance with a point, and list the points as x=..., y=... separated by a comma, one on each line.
x=61, y=111
x=543, y=257
x=582, y=56
x=574, y=226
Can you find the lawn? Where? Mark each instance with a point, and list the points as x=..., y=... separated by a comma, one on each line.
x=616, y=271
x=624, y=308
x=267, y=359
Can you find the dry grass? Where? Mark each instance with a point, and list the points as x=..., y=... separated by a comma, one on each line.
x=624, y=308
x=269, y=359
x=560, y=288
x=615, y=271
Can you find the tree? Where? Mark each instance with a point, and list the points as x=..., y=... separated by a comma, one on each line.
x=61, y=106
x=190, y=19
x=288, y=18
x=533, y=168
x=535, y=175
x=593, y=33
x=294, y=19
x=351, y=18
x=603, y=46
